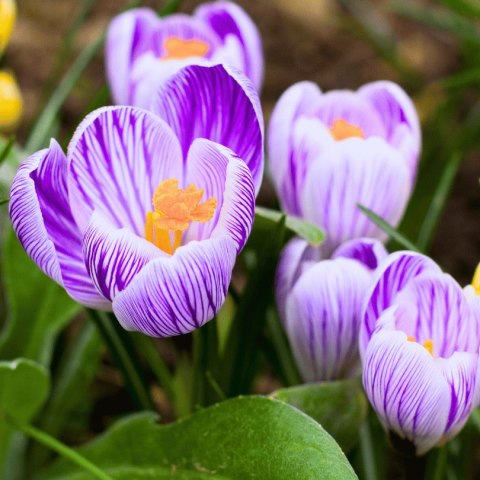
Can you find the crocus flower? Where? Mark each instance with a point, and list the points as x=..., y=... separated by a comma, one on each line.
x=420, y=343
x=11, y=102
x=8, y=14
x=320, y=304
x=143, y=50
x=330, y=151
x=148, y=210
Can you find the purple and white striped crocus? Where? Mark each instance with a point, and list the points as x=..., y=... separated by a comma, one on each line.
x=420, y=346
x=143, y=50
x=320, y=302
x=147, y=211
x=330, y=151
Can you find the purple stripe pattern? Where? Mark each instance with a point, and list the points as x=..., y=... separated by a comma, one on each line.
x=421, y=357
x=84, y=218
x=330, y=151
x=320, y=304
x=135, y=47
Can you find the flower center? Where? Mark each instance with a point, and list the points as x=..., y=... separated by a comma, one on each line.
x=178, y=48
x=476, y=280
x=341, y=129
x=428, y=344
x=173, y=211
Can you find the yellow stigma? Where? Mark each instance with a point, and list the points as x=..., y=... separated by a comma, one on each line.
x=340, y=130
x=173, y=211
x=8, y=13
x=178, y=48
x=427, y=344
x=476, y=280
x=11, y=103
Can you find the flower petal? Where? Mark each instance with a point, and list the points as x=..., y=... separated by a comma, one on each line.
x=399, y=118
x=127, y=37
x=225, y=177
x=368, y=251
x=323, y=319
x=228, y=19
x=176, y=295
x=368, y=172
x=117, y=158
x=114, y=256
x=406, y=388
x=216, y=103
x=42, y=219
x=391, y=277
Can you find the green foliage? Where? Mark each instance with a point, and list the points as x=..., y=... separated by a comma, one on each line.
x=248, y=437
x=340, y=407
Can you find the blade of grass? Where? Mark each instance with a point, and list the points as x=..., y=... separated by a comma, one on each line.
x=387, y=228
x=4, y=201
x=7, y=149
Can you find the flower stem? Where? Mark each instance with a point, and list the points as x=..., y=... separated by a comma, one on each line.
x=124, y=356
x=367, y=452
x=60, y=448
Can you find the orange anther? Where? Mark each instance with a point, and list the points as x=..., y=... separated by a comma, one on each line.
x=178, y=48
x=341, y=129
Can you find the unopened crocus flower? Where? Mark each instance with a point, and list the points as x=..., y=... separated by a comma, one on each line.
x=330, y=151
x=147, y=211
x=11, y=103
x=8, y=14
x=420, y=343
x=143, y=50
x=320, y=304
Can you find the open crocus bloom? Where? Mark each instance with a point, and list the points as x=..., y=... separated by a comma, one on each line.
x=330, y=151
x=420, y=344
x=320, y=304
x=142, y=215
x=143, y=50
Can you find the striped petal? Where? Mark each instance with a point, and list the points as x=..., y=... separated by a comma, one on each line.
x=176, y=295
x=228, y=20
x=128, y=36
x=225, y=177
x=368, y=251
x=114, y=256
x=368, y=172
x=391, y=277
x=230, y=113
x=117, y=158
x=323, y=319
x=42, y=219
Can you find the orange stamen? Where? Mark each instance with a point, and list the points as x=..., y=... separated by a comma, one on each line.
x=427, y=344
x=476, y=280
x=174, y=210
x=178, y=48
x=340, y=130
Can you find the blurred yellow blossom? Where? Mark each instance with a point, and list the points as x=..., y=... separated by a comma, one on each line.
x=8, y=12
x=11, y=103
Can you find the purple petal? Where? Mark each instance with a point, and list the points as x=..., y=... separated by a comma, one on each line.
x=117, y=158
x=41, y=217
x=229, y=20
x=114, y=256
x=323, y=319
x=127, y=37
x=399, y=118
x=406, y=388
x=368, y=251
x=391, y=277
x=216, y=103
x=176, y=295
x=297, y=101
x=225, y=177
x=368, y=172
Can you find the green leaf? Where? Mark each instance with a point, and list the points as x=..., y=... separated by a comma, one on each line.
x=302, y=228
x=340, y=407
x=249, y=437
x=38, y=308
x=24, y=387
x=10, y=156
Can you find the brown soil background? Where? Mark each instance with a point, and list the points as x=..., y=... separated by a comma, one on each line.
x=317, y=40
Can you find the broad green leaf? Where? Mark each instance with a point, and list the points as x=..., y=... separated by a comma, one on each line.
x=302, y=228
x=38, y=308
x=246, y=437
x=340, y=407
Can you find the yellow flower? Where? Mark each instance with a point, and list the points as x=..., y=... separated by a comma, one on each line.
x=8, y=13
x=11, y=103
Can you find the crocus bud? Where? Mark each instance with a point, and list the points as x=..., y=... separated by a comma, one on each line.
x=8, y=14
x=11, y=103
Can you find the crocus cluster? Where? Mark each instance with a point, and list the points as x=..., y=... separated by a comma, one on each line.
x=143, y=50
x=11, y=103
